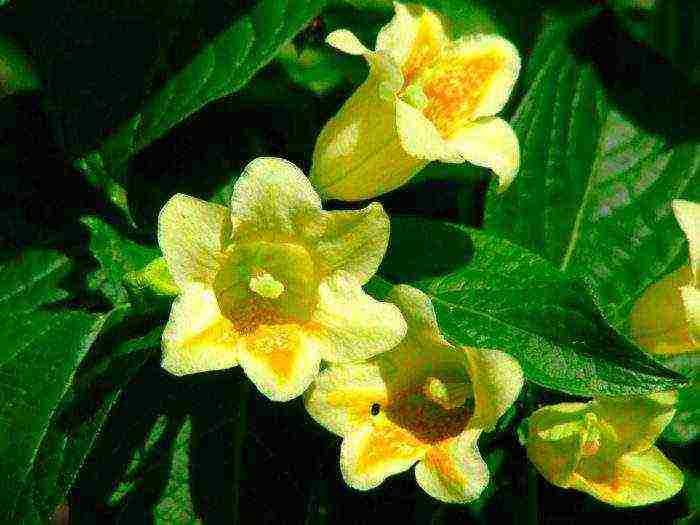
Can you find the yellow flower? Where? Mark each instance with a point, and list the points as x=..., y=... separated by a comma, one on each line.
x=424, y=402
x=274, y=282
x=426, y=98
x=606, y=448
x=666, y=319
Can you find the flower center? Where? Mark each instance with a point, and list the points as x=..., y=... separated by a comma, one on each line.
x=266, y=286
x=446, y=393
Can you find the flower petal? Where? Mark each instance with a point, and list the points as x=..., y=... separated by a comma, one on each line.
x=197, y=337
x=413, y=40
x=191, y=234
x=491, y=80
x=342, y=396
x=688, y=216
x=691, y=304
x=454, y=471
x=377, y=450
x=351, y=325
x=555, y=440
x=273, y=200
x=496, y=380
x=659, y=321
x=637, y=420
x=358, y=154
x=424, y=352
x=345, y=41
x=354, y=241
x=639, y=478
x=420, y=138
x=385, y=77
x=281, y=360
x=490, y=143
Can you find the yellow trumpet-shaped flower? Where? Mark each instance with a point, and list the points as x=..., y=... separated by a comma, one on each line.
x=426, y=98
x=425, y=402
x=274, y=282
x=606, y=448
x=666, y=319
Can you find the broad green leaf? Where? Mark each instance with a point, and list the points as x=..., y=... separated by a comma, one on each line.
x=42, y=348
x=593, y=195
x=222, y=67
x=490, y=293
x=117, y=256
x=83, y=411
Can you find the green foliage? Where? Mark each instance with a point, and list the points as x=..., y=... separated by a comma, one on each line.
x=685, y=426
x=17, y=71
x=41, y=351
x=221, y=68
x=609, y=126
x=117, y=256
x=490, y=293
x=594, y=190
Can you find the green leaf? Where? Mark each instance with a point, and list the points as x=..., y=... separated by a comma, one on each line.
x=83, y=412
x=41, y=351
x=672, y=27
x=490, y=293
x=222, y=67
x=179, y=461
x=17, y=72
x=685, y=426
x=117, y=256
x=593, y=195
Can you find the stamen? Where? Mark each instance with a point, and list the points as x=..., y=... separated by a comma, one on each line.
x=266, y=286
x=415, y=97
x=592, y=435
x=448, y=394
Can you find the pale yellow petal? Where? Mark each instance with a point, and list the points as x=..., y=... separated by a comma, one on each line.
x=342, y=397
x=192, y=234
x=353, y=240
x=453, y=471
x=420, y=138
x=352, y=326
x=345, y=41
x=490, y=143
x=418, y=310
x=691, y=304
x=280, y=360
x=659, y=321
x=637, y=479
x=497, y=379
x=358, y=154
x=273, y=200
x=197, y=337
x=688, y=216
x=377, y=450
x=637, y=420
x=413, y=37
x=555, y=440
x=495, y=83
x=424, y=353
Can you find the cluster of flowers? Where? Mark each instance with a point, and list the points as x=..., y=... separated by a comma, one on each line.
x=274, y=284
